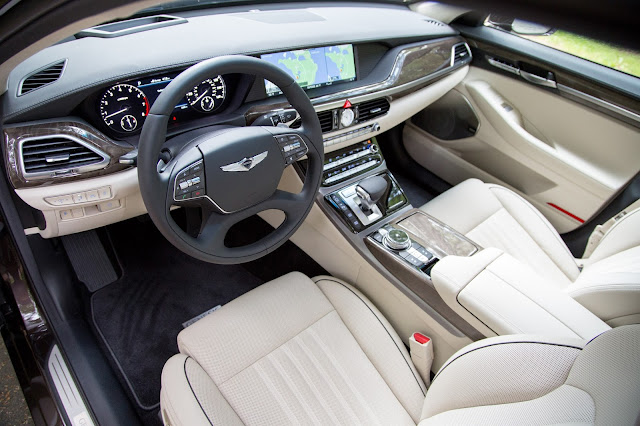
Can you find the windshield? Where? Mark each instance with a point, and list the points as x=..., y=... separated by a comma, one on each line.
x=197, y=4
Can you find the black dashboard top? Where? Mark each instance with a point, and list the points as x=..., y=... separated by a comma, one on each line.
x=94, y=63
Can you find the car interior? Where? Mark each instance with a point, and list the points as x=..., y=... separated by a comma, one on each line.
x=317, y=213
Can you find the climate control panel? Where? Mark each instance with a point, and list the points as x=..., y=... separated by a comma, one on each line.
x=351, y=161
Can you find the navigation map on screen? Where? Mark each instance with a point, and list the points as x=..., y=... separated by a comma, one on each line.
x=316, y=67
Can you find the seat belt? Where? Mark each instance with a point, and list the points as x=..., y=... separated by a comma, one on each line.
x=600, y=230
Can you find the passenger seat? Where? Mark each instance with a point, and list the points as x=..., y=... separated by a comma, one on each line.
x=494, y=216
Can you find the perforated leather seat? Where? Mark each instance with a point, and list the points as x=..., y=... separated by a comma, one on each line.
x=297, y=351
x=494, y=216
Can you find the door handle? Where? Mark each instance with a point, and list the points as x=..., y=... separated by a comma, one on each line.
x=540, y=81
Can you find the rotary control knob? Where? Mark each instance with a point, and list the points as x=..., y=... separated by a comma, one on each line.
x=397, y=239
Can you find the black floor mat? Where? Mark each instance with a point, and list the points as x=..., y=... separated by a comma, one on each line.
x=140, y=315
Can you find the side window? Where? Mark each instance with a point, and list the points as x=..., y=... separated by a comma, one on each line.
x=620, y=59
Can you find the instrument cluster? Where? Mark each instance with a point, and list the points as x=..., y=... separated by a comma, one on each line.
x=123, y=107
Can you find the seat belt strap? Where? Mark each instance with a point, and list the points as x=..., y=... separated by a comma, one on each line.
x=600, y=230
x=421, y=349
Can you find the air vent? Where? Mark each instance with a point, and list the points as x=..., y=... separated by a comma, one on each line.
x=45, y=157
x=461, y=53
x=326, y=120
x=434, y=22
x=41, y=78
x=503, y=64
x=371, y=109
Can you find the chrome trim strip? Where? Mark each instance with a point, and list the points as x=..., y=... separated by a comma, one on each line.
x=71, y=170
x=67, y=390
x=505, y=67
x=599, y=102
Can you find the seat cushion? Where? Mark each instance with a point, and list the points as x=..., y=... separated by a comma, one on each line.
x=494, y=216
x=536, y=380
x=293, y=351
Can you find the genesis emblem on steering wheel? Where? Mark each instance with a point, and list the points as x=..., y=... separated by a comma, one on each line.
x=246, y=164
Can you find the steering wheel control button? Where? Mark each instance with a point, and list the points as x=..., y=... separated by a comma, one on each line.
x=190, y=183
x=397, y=239
x=292, y=147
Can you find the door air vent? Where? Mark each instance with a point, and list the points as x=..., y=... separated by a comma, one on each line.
x=40, y=78
x=326, y=120
x=460, y=54
x=371, y=109
x=46, y=157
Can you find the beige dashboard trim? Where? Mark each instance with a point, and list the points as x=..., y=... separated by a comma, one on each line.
x=124, y=188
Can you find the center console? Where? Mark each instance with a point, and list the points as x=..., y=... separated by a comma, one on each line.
x=368, y=206
x=469, y=290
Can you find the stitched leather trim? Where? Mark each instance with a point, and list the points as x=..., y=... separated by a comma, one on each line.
x=502, y=343
x=193, y=392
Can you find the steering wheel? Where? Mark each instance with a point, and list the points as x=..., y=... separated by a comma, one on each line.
x=231, y=173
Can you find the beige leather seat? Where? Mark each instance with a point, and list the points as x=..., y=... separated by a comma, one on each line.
x=297, y=351
x=494, y=216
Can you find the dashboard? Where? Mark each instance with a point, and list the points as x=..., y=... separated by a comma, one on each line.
x=73, y=112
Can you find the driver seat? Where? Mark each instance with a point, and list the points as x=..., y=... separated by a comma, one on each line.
x=302, y=351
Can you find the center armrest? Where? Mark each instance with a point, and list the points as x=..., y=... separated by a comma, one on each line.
x=498, y=294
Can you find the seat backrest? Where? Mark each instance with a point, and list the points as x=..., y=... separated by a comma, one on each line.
x=608, y=369
x=540, y=380
x=623, y=235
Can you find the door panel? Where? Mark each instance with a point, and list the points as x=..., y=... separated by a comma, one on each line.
x=566, y=158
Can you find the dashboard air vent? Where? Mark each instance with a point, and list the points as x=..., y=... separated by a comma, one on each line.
x=371, y=109
x=43, y=156
x=41, y=78
x=460, y=54
x=434, y=22
x=326, y=120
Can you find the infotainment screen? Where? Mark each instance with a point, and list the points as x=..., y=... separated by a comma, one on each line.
x=316, y=67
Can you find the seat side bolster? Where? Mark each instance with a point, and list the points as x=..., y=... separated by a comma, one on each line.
x=195, y=399
x=372, y=332
x=529, y=367
x=610, y=288
x=621, y=236
x=539, y=228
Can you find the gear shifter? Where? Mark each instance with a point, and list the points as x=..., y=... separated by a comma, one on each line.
x=369, y=191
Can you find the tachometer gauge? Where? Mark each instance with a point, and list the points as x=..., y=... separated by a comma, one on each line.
x=207, y=96
x=123, y=108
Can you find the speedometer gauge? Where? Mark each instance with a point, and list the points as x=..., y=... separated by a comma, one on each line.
x=207, y=96
x=124, y=108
